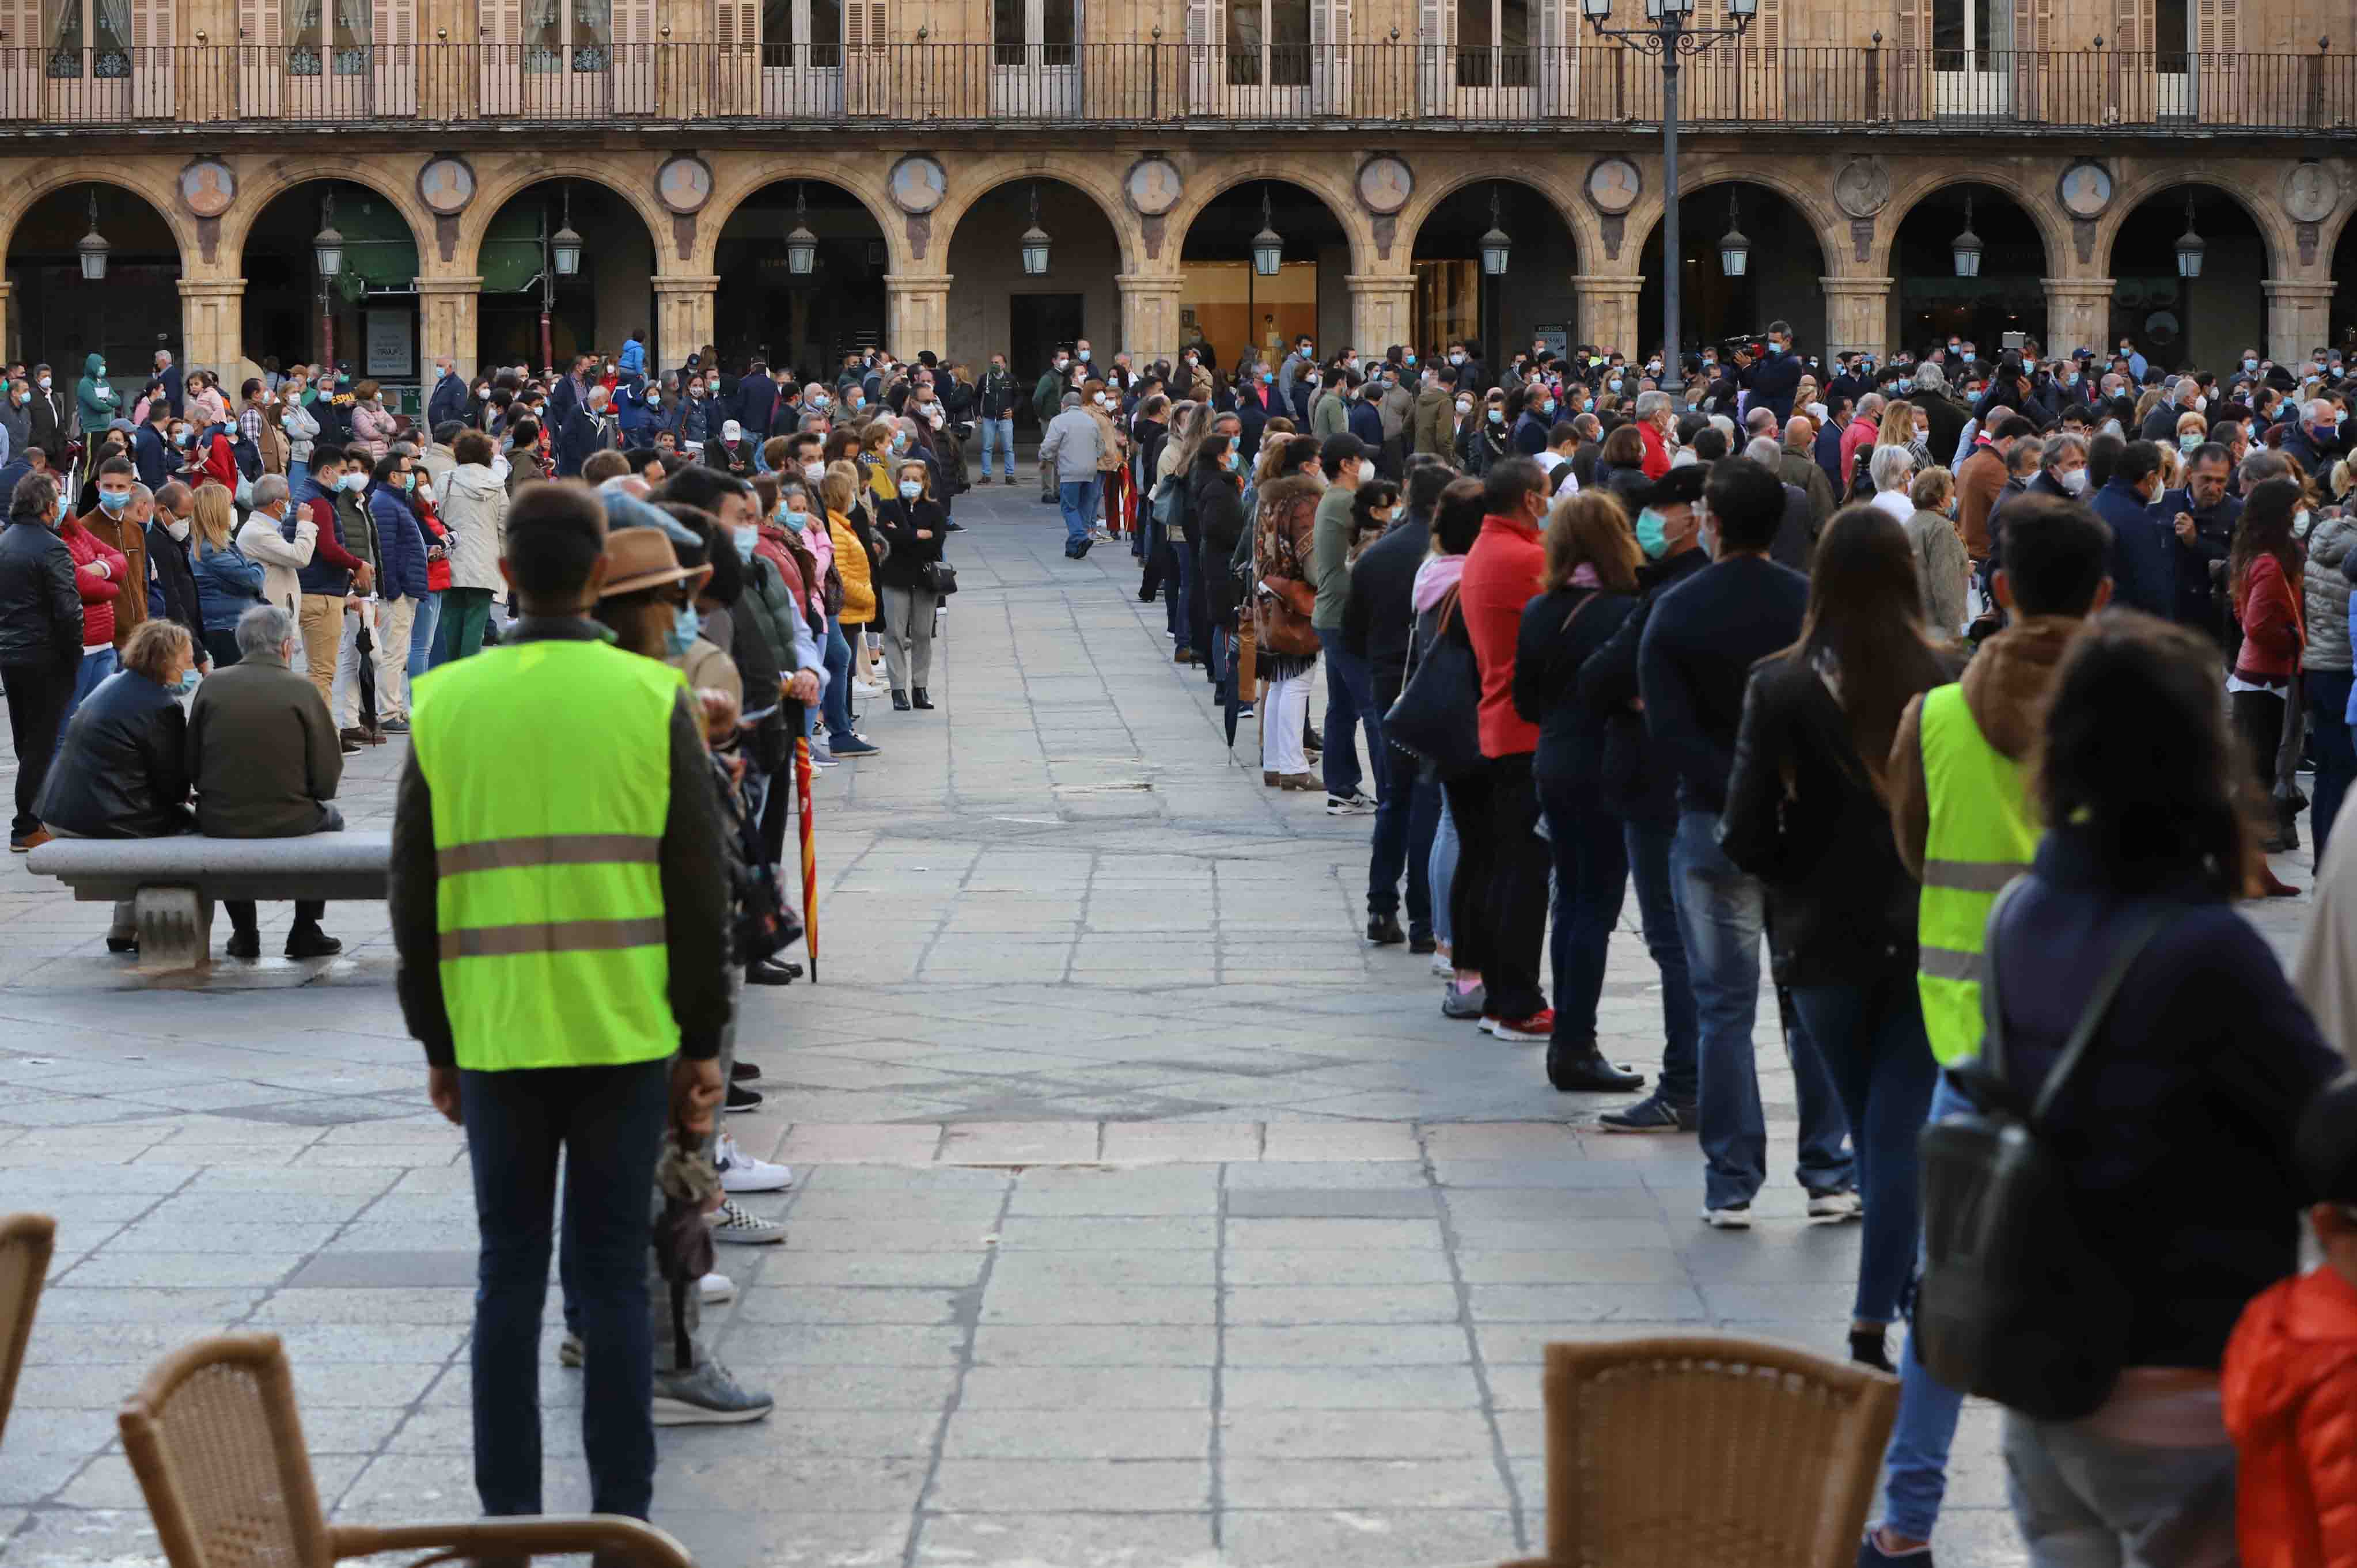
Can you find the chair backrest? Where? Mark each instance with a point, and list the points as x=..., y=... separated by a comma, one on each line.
x=25, y=1243
x=213, y=1436
x=1676, y=1451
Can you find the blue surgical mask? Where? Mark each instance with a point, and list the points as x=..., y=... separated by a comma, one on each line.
x=1652, y=533
x=114, y=501
x=1612, y=385
x=1497, y=416
x=1968, y=356
x=2250, y=364
x=910, y=489
x=745, y=539
x=1085, y=356
x=901, y=441
x=1588, y=405
x=2187, y=443
x=189, y=679
x=685, y=624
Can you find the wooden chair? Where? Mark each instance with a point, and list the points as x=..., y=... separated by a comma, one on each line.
x=1666, y=1452
x=217, y=1446
x=26, y=1241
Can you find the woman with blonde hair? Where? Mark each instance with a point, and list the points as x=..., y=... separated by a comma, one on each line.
x=2192, y=430
x=1897, y=427
x=912, y=524
x=228, y=584
x=1588, y=589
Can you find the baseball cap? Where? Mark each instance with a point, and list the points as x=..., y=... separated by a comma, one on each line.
x=1679, y=486
x=1342, y=446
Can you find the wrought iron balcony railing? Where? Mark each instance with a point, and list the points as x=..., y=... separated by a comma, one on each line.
x=244, y=87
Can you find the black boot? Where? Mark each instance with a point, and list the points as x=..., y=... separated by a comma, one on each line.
x=1383, y=930
x=772, y=971
x=917, y=694
x=1577, y=1065
x=899, y=700
x=243, y=944
x=307, y=940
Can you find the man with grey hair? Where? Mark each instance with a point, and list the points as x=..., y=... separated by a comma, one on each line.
x=283, y=550
x=1072, y=445
x=2182, y=396
x=2315, y=442
x=1795, y=539
x=2260, y=465
x=263, y=757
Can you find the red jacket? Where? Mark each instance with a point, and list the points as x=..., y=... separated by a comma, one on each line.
x=2289, y=1384
x=97, y=593
x=1657, y=451
x=2273, y=634
x=1502, y=577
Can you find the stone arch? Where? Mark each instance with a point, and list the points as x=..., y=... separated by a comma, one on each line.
x=736, y=179
x=2274, y=226
x=1714, y=168
x=1099, y=181
x=260, y=185
x=631, y=179
x=1562, y=193
x=2329, y=232
x=2044, y=213
x=148, y=181
x=1207, y=182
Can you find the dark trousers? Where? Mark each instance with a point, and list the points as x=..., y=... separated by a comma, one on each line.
x=307, y=911
x=2259, y=719
x=609, y=1122
x=1648, y=846
x=36, y=700
x=1175, y=587
x=1407, y=813
x=2328, y=742
x=1350, y=703
x=221, y=647
x=1591, y=877
x=1498, y=904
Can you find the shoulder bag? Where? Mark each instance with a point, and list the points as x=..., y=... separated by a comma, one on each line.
x=941, y=577
x=2015, y=1303
x=1437, y=718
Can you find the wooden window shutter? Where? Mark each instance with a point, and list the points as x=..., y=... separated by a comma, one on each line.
x=500, y=26
x=20, y=60
x=1768, y=32
x=864, y=25
x=394, y=60
x=1329, y=24
x=1912, y=25
x=635, y=66
x=2219, y=26
x=2131, y=25
x=1436, y=20
x=736, y=24
x=1206, y=23
x=151, y=42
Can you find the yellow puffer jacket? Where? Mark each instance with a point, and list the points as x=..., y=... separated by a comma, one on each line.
x=851, y=565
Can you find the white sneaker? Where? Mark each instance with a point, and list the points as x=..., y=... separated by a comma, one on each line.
x=1836, y=1203
x=741, y=1172
x=716, y=1288
x=870, y=688
x=1354, y=804
x=1734, y=1217
x=732, y=1223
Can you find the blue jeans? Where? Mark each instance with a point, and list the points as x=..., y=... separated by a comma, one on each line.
x=1442, y=873
x=1591, y=876
x=837, y=701
x=297, y=476
x=1080, y=503
x=421, y=633
x=1722, y=913
x=1648, y=847
x=1181, y=556
x=1002, y=433
x=95, y=666
x=1872, y=1039
x=2328, y=742
x=609, y=1122
x=1349, y=701
x=1407, y=815
x=1915, y=1466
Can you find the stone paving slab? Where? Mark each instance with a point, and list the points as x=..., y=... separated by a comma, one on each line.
x=1145, y=1215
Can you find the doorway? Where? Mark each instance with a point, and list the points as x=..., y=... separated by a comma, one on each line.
x=1038, y=325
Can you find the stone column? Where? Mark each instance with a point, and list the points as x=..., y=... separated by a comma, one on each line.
x=1607, y=313
x=448, y=321
x=683, y=316
x=9, y=348
x=2078, y=313
x=1149, y=315
x=1857, y=316
x=1382, y=306
x=213, y=325
x=915, y=313
x=2299, y=316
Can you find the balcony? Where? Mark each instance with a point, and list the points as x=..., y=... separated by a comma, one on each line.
x=240, y=88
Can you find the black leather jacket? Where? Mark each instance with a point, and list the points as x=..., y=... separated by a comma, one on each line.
x=122, y=772
x=40, y=609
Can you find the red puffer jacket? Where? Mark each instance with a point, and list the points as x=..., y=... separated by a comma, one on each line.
x=2291, y=1389
x=99, y=590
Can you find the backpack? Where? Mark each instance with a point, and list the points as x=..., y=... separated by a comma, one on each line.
x=2014, y=1304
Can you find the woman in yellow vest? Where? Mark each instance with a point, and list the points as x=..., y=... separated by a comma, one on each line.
x=1806, y=815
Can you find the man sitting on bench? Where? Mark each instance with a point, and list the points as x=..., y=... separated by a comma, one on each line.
x=264, y=757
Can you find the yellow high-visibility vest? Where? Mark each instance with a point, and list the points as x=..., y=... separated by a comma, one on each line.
x=1981, y=837
x=550, y=764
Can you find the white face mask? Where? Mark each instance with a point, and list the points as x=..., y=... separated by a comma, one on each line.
x=179, y=530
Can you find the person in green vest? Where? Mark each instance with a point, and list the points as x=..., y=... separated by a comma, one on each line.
x=558, y=895
x=1961, y=814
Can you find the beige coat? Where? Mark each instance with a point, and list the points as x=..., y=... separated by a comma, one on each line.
x=261, y=540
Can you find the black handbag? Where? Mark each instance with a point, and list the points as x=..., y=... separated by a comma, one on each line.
x=2015, y=1303
x=941, y=577
x=1437, y=718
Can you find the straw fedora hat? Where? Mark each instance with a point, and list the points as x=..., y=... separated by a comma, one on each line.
x=641, y=558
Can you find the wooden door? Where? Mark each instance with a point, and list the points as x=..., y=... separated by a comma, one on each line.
x=501, y=81
x=1207, y=53
x=392, y=57
x=634, y=57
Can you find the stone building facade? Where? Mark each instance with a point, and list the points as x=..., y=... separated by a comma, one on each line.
x=930, y=127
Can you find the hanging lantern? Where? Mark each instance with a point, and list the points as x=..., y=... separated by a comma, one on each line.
x=1496, y=244
x=1597, y=11
x=1035, y=242
x=326, y=245
x=92, y=247
x=802, y=245
x=1734, y=249
x=1966, y=246
x=2190, y=245
x=1269, y=245
x=564, y=245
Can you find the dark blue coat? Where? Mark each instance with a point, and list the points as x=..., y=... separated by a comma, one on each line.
x=581, y=435
x=150, y=457
x=2144, y=573
x=448, y=401
x=401, y=542
x=174, y=389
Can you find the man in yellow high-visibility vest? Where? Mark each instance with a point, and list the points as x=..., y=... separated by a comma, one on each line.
x=559, y=906
x=1965, y=827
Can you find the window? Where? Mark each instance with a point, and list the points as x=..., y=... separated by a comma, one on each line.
x=319, y=31
x=801, y=33
x=2172, y=37
x=562, y=33
x=90, y=38
x=1268, y=43
x=1493, y=43
x=1034, y=32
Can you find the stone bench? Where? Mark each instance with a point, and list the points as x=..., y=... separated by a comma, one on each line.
x=174, y=881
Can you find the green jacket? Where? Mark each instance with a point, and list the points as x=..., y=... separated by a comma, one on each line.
x=1329, y=556
x=359, y=532
x=1329, y=414
x=1048, y=397
x=95, y=401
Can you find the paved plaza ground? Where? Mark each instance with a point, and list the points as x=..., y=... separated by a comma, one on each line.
x=1145, y=1214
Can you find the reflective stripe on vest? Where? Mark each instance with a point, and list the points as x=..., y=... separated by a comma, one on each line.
x=1981, y=838
x=550, y=766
